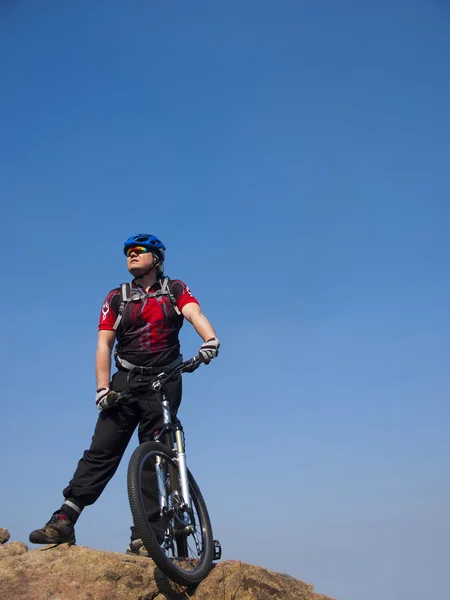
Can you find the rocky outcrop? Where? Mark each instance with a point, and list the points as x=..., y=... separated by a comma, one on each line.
x=4, y=535
x=78, y=573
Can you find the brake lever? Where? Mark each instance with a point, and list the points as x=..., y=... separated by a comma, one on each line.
x=121, y=396
x=195, y=363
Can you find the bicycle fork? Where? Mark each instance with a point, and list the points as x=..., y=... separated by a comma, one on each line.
x=162, y=467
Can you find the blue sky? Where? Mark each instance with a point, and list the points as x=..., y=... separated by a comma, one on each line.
x=294, y=157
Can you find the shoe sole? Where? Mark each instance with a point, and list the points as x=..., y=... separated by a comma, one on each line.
x=146, y=555
x=41, y=540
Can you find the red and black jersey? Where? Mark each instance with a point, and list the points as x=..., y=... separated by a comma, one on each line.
x=148, y=332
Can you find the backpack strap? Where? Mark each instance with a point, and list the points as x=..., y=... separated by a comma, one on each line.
x=125, y=297
x=167, y=288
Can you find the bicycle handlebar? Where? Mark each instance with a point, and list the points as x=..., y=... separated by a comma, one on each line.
x=188, y=366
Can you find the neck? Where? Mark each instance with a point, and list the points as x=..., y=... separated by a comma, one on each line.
x=147, y=280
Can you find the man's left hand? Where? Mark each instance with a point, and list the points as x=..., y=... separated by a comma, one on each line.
x=209, y=350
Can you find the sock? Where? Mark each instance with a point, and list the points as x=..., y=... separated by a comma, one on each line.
x=70, y=510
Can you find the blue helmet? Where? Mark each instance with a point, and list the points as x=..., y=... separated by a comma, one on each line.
x=147, y=241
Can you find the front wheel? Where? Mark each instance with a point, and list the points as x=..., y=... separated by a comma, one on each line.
x=185, y=554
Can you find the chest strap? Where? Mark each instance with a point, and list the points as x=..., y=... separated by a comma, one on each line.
x=127, y=294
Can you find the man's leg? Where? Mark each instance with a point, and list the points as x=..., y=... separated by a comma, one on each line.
x=95, y=469
x=113, y=431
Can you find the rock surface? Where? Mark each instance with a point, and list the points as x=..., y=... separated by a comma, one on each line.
x=78, y=573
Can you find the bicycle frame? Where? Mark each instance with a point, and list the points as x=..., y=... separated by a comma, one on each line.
x=187, y=549
x=171, y=435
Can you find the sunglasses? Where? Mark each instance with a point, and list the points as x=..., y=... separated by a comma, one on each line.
x=137, y=250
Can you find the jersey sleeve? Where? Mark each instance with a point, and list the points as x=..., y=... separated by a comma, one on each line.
x=183, y=294
x=109, y=311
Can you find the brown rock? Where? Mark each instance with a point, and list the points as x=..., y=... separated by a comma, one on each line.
x=79, y=573
x=4, y=535
x=240, y=581
x=13, y=549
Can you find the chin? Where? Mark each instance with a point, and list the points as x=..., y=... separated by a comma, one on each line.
x=136, y=271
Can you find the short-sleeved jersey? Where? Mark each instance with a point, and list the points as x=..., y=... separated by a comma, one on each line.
x=147, y=334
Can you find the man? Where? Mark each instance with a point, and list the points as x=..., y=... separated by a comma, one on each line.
x=144, y=318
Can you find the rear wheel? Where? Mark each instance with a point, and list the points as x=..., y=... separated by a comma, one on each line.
x=186, y=552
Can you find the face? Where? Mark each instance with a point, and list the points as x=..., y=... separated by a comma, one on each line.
x=139, y=260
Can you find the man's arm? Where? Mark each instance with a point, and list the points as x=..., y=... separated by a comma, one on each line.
x=193, y=313
x=210, y=347
x=103, y=357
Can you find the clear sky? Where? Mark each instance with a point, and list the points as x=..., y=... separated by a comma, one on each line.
x=294, y=156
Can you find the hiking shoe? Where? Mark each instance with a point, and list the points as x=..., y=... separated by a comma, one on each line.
x=59, y=530
x=137, y=548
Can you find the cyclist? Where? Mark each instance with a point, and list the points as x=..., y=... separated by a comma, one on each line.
x=144, y=319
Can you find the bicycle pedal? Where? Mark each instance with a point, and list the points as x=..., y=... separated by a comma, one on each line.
x=217, y=552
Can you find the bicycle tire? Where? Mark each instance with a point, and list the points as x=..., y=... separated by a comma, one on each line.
x=173, y=570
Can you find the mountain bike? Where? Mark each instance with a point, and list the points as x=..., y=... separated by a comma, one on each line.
x=187, y=551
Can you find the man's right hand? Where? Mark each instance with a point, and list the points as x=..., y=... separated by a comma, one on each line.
x=105, y=398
